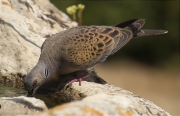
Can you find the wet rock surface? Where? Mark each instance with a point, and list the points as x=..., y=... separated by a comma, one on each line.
x=20, y=105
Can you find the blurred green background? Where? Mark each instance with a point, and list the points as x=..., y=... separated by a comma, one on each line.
x=146, y=66
x=153, y=50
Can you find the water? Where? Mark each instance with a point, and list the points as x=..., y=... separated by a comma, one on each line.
x=11, y=91
x=6, y=91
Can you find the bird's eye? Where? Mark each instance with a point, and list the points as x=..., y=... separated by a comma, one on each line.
x=46, y=72
x=34, y=83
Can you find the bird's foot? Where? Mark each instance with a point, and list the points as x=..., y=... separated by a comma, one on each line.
x=79, y=79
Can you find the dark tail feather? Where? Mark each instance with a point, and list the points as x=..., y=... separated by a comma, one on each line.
x=134, y=25
x=147, y=32
x=125, y=23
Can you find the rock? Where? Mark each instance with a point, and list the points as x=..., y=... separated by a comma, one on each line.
x=108, y=105
x=20, y=105
x=76, y=92
x=119, y=104
x=96, y=97
x=24, y=25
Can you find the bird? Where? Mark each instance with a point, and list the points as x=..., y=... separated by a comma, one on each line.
x=79, y=48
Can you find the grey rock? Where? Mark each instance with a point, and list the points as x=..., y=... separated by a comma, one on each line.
x=112, y=104
x=20, y=105
x=24, y=25
x=101, y=96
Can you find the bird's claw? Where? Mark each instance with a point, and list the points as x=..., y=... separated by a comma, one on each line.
x=79, y=79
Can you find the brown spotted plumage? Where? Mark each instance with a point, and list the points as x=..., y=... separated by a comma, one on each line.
x=82, y=47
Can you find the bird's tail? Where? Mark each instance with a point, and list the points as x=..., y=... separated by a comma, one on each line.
x=135, y=26
x=148, y=32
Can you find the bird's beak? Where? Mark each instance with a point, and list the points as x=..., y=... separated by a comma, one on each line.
x=28, y=88
x=34, y=90
x=30, y=92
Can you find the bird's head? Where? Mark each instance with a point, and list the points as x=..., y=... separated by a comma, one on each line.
x=37, y=77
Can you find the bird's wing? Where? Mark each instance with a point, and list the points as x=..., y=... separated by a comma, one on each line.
x=93, y=44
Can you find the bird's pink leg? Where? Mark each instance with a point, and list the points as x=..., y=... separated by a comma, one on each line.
x=79, y=79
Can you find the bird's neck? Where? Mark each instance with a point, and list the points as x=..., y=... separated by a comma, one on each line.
x=53, y=67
